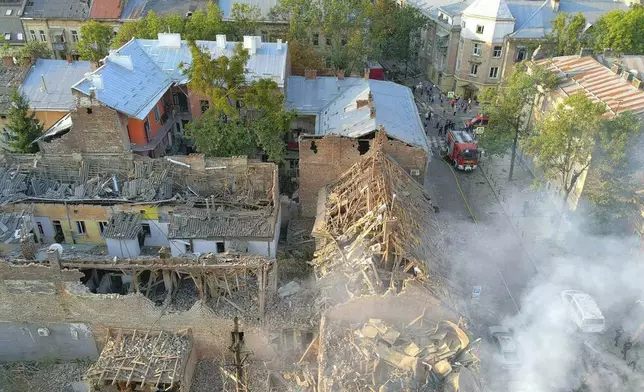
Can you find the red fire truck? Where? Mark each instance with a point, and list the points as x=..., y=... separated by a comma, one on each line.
x=462, y=150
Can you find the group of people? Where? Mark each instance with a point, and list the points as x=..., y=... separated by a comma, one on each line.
x=425, y=89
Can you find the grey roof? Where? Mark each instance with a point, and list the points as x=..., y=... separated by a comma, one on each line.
x=496, y=9
x=55, y=92
x=269, y=61
x=428, y=6
x=135, y=9
x=196, y=224
x=10, y=78
x=628, y=63
x=264, y=6
x=155, y=67
x=11, y=25
x=57, y=9
x=12, y=221
x=131, y=91
x=123, y=226
x=533, y=20
x=335, y=103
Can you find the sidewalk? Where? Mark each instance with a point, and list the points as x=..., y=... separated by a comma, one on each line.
x=528, y=209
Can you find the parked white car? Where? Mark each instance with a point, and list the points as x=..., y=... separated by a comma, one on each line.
x=583, y=311
x=506, y=348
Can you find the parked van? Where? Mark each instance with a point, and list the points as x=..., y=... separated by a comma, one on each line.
x=583, y=310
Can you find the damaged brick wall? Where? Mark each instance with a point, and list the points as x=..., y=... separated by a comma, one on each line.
x=72, y=304
x=323, y=160
x=96, y=128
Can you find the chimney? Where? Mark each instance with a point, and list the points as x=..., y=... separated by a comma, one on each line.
x=7, y=61
x=221, y=41
x=310, y=73
x=366, y=73
x=340, y=75
x=555, y=5
x=279, y=44
x=69, y=59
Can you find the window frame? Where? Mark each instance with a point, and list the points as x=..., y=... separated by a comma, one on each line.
x=43, y=36
x=475, y=46
x=495, y=50
x=147, y=129
x=81, y=228
x=480, y=29
x=496, y=74
x=315, y=39
x=157, y=114
x=475, y=67
x=33, y=35
x=102, y=225
x=74, y=35
x=148, y=232
x=202, y=105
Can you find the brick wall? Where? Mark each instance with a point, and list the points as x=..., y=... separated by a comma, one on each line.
x=103, y=130
x=324, y=160
x=100, y=312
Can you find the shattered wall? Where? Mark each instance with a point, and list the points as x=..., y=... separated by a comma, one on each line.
x=71, y=303
x=323, y=160
x=102, y=130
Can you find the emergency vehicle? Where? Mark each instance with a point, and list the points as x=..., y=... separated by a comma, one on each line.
x=480, y=120
x=462, y=150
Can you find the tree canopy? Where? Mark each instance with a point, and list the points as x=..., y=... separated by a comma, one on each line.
x=246, y=19
x=509, y=108
x=304, y=56
x=95, y=41
x=566, y=140
x=253, y=113
x=23, y=126
x=568, y=34
x=620, y=31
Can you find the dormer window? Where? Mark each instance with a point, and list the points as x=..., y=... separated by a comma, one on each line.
x=479, y=29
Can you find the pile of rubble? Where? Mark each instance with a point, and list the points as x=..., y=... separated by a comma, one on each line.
x=379, y=357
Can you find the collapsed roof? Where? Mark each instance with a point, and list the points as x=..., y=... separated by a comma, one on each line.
x=376, y=225
x=225, y=196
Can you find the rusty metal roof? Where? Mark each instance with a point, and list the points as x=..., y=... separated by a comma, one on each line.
x=106, y=9
x=586, y=75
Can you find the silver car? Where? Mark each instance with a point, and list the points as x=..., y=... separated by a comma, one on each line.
x=506, y=348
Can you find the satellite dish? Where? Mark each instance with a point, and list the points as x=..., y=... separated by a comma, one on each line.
x=57, y=247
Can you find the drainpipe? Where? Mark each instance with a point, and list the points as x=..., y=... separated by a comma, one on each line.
x=69, y=222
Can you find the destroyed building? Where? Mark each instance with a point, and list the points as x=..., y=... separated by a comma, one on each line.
x=189, y=203
x=337, y=121
x=377, y=226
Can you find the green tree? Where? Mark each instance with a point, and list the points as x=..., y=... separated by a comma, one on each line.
x=567, y=36
x=344, y=23
x=23, y=126
x=611, y=184
x=35, y=49
x=620, y=31
x=245, y=20
x=205, y=25
x=95, y=41
x=509, y=109
x=566, y=140
x=304, y=57
x=257, y=108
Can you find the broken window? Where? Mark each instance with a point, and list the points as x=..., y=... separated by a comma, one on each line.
x=205, y=105
x=102, y=226
x=146, y=229
x=41, y=231
x=220, y=247
x=80, y=227
x=59, y=236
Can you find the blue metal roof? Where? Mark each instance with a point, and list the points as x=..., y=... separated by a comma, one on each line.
x=533, y=20
x=48, y=85
x=334, y=103
x=269, y=62
x=132, y=91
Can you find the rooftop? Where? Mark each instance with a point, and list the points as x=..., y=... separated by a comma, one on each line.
x=495, y=9
x=135, y=9
x=106, y=9
x=335, y=102
x=12, y=30
x=57, y=9
x=123, y=225
x=10, y=78
x=586, y=75
x=533, y=19
x=134, y=77
x=48, y=84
